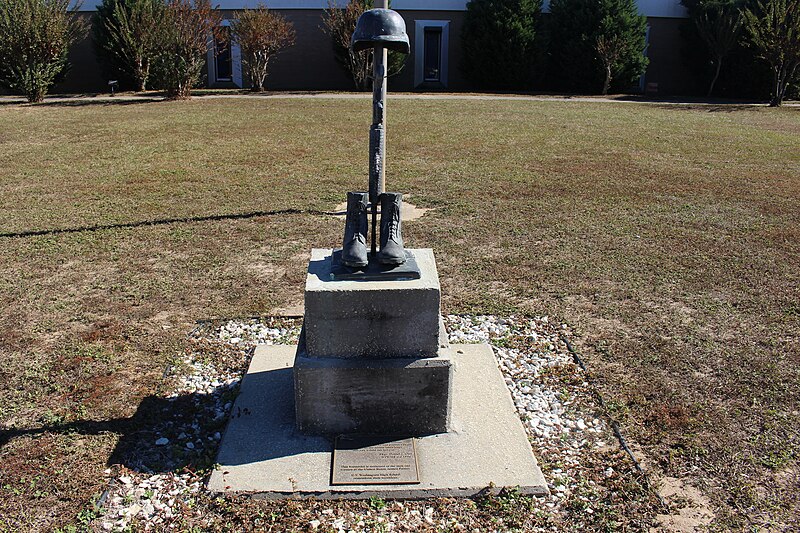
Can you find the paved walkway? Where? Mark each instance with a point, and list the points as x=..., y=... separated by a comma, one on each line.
x=78, y=100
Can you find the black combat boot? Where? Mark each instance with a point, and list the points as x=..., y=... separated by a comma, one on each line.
x=392, y=252
x=354, y=246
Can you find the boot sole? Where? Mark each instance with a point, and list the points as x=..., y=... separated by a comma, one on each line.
x=391, y=263
x=354, y=265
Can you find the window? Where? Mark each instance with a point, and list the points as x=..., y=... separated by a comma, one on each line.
x=224, y=66
x=432, y=69
x=430, y=53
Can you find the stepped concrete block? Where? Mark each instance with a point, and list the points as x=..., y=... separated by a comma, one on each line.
x=372, y=319
x=263, y=455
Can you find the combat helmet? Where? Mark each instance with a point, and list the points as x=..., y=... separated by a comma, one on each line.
x=381, y=26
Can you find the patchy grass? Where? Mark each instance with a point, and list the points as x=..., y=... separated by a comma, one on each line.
x=667, y=236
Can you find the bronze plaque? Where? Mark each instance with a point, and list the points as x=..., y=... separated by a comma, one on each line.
x=370, y=460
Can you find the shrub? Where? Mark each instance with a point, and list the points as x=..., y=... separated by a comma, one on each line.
x=182, y=41
x=596, y=45
x=774, y=32
x=498, y=40
x=125, y=34
x=340, y=23
x=261, y=35
x=35, y=36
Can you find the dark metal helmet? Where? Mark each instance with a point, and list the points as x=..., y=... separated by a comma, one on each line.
x=381, y=26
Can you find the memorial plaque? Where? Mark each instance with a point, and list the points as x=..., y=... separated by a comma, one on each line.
x=371, y=460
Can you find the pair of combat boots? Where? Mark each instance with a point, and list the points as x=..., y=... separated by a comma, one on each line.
x=354, y=247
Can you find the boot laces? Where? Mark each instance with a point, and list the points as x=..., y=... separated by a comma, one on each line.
x=354, y=222
x=394, y=222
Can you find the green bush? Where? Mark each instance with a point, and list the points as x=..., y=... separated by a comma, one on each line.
x=35, y=36
x=596, y=45
x=125, y=34
x=499, y=39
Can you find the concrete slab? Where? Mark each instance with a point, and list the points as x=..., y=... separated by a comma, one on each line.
x=378, y=319
x=263, y=454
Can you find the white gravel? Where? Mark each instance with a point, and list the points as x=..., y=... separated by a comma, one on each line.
x=528, y=350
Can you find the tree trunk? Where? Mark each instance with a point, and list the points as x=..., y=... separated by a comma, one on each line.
x=777, y=95
x=716, y=75
x=262, y=78
x=141, y=75
x=607, y=82
x=786, y=77
x=183, y=91
x=36, y=95
x=361, y=69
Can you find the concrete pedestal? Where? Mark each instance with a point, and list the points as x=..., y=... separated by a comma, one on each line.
x=371, y=319
x=372, y=357
x=394, y=396
x=263, y=454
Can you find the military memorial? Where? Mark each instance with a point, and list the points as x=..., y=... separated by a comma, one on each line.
x=374, y=401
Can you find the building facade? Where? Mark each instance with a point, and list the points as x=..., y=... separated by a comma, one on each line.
x=434, y=29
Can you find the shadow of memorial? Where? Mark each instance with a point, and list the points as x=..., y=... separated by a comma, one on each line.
x=164, y=221
x=82, y=101
x=199, y=418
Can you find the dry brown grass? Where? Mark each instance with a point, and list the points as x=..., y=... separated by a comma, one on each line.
x=668, y=236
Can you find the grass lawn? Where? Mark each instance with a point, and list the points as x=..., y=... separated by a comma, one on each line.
x=668, y=237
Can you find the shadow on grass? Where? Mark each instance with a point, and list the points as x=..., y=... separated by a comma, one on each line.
x=164, y=221
x=709, y=108
x=197, y=418
x=124, y=99
x=83, y=101
x=692, y=102
x=184, y=431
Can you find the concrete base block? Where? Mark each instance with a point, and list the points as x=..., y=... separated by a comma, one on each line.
x=376, y=319
x=373, y=396
x=262, y=453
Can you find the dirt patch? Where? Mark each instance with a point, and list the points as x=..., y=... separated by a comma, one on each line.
x=691, y=509
x=408, y=211
x=266, y=270
x=293, y=309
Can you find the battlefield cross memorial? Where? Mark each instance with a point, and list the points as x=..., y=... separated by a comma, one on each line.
x=373, y=400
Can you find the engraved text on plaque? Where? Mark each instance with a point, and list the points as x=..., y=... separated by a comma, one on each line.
x=369, y=460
